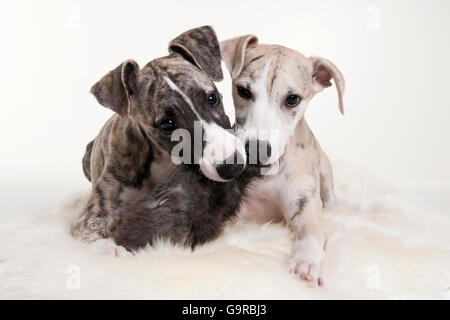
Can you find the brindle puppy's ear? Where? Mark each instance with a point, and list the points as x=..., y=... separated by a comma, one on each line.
x=200, y=47
x=323, y=71
x=233, y=52
x=114, y=90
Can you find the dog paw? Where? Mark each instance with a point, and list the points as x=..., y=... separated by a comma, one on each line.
x=118, y=251
x=307, y=271
x=306, y=259
x=110, y=248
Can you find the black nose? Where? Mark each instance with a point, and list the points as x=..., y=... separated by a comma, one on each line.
x=232, y=167
x=258, y=151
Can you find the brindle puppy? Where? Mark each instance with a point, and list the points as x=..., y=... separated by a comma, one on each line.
x=189, y=209
x=132, y=153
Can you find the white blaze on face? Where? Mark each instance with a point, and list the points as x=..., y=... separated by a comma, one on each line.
x=266, y=118
x=220, y=144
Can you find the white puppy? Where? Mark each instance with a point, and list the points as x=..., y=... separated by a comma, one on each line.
x=272, y=86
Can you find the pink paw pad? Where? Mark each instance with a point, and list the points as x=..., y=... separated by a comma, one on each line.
x=108, y=247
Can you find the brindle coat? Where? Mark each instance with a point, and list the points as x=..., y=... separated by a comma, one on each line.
x=188, y=209
x=131, y=154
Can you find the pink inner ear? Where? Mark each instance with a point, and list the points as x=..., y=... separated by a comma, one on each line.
x=322, y=76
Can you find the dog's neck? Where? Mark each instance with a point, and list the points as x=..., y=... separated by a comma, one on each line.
x=301, y=138
x=139, y=132
x=302, y=134
x=161, y=164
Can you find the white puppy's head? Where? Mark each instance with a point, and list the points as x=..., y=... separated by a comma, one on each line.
x=272, y=86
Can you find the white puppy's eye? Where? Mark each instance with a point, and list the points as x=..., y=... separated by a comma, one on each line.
x=292, y=100
x=243, y=93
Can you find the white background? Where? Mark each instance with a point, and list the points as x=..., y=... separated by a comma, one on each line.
x=395, y=56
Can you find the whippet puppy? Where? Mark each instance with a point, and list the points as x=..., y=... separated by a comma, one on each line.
x=132, y=153
x=272, y=86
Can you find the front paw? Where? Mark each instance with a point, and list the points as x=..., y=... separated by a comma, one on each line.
x=110, y=248
x=306, y=259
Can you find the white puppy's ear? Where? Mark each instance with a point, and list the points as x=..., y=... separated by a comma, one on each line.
x=323, y=71
x=233, y=52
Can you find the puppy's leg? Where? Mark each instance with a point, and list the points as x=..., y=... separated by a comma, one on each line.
x=302, y=214
x=326, y=180
x=100, y=212
x=308, y=250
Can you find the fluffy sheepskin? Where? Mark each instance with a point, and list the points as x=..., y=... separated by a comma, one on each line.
x=381, y=244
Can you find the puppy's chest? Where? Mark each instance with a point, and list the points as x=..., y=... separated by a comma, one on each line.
x=268, y=195
x=159, y=171
x=267, y=187
x=262, y=201
x=296, y=169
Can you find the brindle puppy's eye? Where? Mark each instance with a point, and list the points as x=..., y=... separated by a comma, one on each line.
x=213, y=100
x=292, y=101
x=168, y=125
x=243, y=93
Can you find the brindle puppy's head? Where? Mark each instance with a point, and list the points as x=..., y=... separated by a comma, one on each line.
x=178, y=92
x=272, y=86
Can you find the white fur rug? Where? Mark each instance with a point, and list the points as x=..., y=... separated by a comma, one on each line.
x=381, y=244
